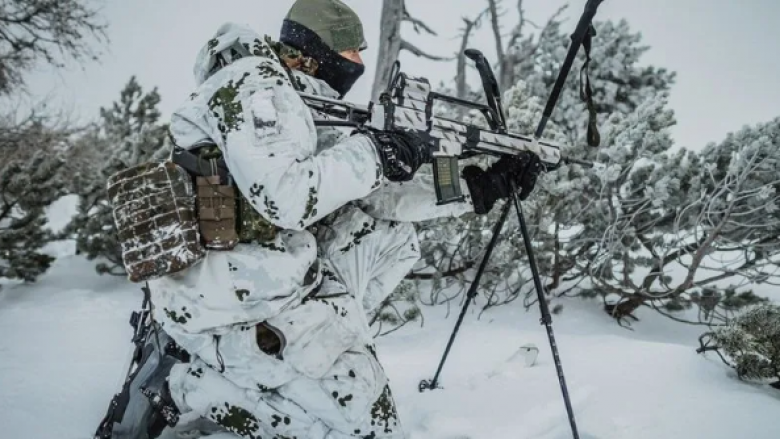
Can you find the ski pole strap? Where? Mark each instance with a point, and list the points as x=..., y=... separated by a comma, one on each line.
x=586, y=93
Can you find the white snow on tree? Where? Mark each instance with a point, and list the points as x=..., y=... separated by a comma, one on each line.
x=569, y=196
x=29, y=182
x=563, y=213
x=128, y=133
x=713, y=215
x=750, y=343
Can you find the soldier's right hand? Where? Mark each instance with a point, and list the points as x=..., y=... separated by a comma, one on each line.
x=401, y=152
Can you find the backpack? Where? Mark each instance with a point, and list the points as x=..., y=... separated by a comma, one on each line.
x=154, y=213
x=169, y=214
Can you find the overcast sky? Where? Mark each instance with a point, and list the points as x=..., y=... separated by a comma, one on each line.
x=726, y=53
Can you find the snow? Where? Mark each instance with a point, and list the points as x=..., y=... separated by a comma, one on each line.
x=66, y=341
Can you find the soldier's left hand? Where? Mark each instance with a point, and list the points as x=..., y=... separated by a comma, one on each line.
x=495, y=183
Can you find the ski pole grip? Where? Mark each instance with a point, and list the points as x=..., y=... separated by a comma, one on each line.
x=489, y=82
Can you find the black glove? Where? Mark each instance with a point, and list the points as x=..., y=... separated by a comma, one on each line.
x=402, y=152
x=487, y=187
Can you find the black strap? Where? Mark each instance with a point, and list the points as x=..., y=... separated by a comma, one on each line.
x=198, y=166
x=472, y=137
x=586, y=93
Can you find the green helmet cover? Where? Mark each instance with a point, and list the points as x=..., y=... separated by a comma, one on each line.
x=334, y=22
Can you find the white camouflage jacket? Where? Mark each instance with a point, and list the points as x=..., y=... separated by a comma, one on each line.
x=327, y=381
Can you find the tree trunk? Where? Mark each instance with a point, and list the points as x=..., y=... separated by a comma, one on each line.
x=389, y=43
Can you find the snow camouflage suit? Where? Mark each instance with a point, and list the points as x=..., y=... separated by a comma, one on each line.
x=345, y=242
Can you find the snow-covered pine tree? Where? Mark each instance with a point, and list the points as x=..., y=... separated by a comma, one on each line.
x=29, y=182
x=129, y=133
x=628, y=200
x=715, y=221
x=750, y=343
x=557, y=211
x=568, y=198
x=723, y=235
x=35, y=31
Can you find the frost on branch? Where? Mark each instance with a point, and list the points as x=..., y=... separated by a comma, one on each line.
x=750, y=343
x=716, y=227
x=397, y=310
x=30, y=181
x=129, y=133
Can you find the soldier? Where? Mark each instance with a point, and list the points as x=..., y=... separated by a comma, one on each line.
x=277, y=327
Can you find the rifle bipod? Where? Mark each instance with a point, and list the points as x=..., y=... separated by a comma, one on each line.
x=546, y=318
x=472, y=293
x=580, y=38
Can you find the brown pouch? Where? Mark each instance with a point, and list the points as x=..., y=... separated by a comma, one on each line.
x=216, y=213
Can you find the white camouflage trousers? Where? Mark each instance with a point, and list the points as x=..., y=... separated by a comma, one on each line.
x=327, y=382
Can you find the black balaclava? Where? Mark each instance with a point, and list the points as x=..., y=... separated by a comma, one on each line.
x=337, y=71
x=321, y=29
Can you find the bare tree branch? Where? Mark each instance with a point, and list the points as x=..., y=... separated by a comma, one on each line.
x=391, y=43
x=517, y=32
x=418, y=24
x=44, y=30
x=460, y=76
x=405, y=45
x=512, y=54
x=493, y=7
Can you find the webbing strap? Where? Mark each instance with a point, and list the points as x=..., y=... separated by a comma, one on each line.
x=198, y=166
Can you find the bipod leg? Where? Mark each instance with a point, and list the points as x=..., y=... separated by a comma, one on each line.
x=546, y=316
x=433, y=384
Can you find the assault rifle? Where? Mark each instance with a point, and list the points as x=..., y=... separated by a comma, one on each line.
x=408, y=105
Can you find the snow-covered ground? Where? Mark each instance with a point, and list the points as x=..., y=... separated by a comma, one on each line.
x=65, y=339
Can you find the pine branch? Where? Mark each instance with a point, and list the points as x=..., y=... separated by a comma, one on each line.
x=657, y=269
x=34, y=30
x=512, y=56
x=517, y=32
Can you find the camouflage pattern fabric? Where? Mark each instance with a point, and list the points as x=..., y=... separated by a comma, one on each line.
x=328, y=264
